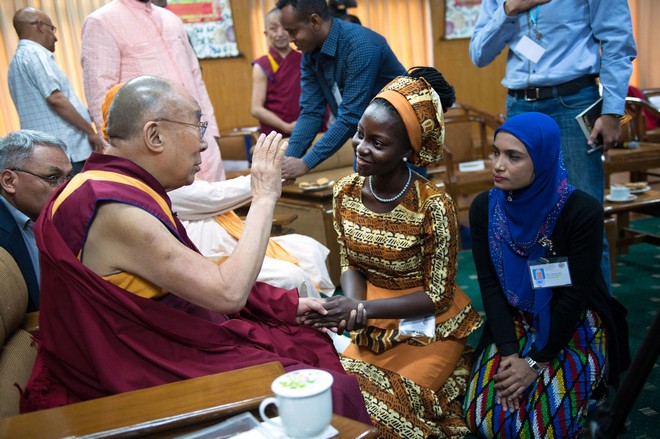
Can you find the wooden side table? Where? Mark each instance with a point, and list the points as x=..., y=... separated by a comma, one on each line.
x=647, y=203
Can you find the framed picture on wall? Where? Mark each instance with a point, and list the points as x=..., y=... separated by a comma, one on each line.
x=460, y=18
x=210, y=26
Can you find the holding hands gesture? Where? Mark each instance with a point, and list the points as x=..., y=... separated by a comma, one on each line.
x=340, y=314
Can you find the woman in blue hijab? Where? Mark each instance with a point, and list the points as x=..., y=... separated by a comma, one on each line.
x=537, y=246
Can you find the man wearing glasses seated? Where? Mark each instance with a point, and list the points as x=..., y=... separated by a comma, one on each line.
x=33, y=165
x=42, y=94
x=127, y=300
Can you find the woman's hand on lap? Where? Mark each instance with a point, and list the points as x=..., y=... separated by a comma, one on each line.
x=513, y=377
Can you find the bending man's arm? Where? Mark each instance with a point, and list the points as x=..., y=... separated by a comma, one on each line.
x=312, y=112
x=127, y=238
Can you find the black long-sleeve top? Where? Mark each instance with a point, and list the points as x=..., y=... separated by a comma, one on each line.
x=578, y=235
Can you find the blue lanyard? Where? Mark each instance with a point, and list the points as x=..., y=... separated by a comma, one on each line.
x=535, y=17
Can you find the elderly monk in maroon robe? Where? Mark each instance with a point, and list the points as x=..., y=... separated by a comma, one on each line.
x=128, y=302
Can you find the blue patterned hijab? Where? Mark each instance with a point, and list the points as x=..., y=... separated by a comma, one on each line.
x=517, y=227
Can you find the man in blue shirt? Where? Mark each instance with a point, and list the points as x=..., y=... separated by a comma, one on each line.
x=32, y=165
x=553, y=61
x=344, y=66
x=570, y=35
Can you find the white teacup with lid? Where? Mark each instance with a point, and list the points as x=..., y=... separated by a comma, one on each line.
x=304, y=402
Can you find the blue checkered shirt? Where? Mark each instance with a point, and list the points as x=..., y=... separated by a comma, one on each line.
x=32, y=77
x=360, y=62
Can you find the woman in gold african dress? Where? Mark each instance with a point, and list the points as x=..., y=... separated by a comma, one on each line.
x=398, y=242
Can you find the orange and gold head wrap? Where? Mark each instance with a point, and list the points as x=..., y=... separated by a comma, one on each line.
x=421, y=111
x=105, y=109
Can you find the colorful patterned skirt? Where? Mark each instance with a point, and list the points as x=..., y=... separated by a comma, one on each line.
x=400, y=408
x=557, y=403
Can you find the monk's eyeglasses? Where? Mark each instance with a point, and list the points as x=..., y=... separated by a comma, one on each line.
x=53, y=180
x=201, y=127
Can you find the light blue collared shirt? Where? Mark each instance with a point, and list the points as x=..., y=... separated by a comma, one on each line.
x=32, y=77
x=572, y=34
x=26, y=226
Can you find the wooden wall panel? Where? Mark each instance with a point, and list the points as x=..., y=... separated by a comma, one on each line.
x=480, y=87
x=229, y=80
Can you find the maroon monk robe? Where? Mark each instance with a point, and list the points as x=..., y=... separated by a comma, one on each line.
x=283, y=91
x=98, y=339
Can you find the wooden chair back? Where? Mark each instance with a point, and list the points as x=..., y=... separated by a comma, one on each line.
x=17, y=352
x=653, y=95
x=636, y=129
x=467, y=138
x=638, y=161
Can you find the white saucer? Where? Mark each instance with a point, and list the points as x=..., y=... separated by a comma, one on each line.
x=275, y=430
x=631, y=197
x=318, y=187
x=476, y=165
x=640, y=190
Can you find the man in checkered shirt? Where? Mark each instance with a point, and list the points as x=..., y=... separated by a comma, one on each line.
x=42, y=93
x=344, y=65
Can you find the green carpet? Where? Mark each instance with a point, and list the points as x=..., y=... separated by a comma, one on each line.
x=638, y=288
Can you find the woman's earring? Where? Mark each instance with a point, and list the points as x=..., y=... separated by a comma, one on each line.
x=405, y=159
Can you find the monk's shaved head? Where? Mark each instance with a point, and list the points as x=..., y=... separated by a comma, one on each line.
x=138, y=101
x=273, y=11
x=155, y=123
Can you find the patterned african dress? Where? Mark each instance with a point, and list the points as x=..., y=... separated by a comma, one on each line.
x=412, y=382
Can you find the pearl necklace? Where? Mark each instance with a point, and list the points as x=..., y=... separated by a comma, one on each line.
x=397, y=196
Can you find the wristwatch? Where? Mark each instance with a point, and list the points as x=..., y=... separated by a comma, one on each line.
x=534, y=365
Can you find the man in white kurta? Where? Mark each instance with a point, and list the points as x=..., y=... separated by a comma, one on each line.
x=309, y=275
